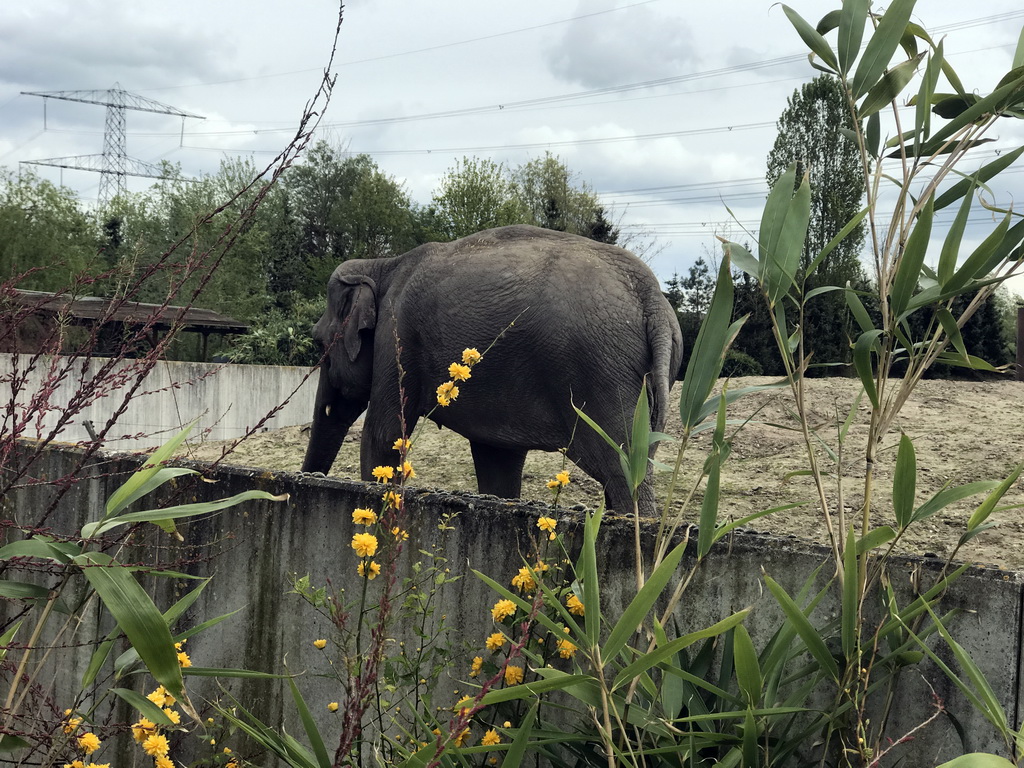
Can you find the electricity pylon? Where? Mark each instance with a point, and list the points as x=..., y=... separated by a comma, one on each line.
x=114, y=164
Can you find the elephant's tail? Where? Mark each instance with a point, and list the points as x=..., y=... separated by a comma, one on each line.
x=666, y=352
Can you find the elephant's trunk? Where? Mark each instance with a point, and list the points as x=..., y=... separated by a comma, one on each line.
x=332, y=417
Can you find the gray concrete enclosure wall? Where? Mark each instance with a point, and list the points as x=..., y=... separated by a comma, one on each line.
x=227, y=400
x=253, y=551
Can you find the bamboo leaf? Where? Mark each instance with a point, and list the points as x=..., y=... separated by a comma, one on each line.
x=858, y=310
x=979, y=263
x=951, y=245
x=141, y=479
x=138, y=617
x=41, y=547
x=904, y=482
x=709, y=350
x=812, y=38
x=875, y=538
x=840, y=236
x=978, y=760
x=815, y=645
x=882, y=45
x=862, y=350
x=591, y=588
x=888, y=89
x=964, y=187
x=952, y=330
x=309, y=724
x=144, y=706
x=947, y=496
x=989, y=105
x=521, y=741
x=640, y=445
x=748, y=673
x=852, y=19
x=7, y=638
x=908, y=270
x=640, y=606
x=741, y=258
x=986, y=507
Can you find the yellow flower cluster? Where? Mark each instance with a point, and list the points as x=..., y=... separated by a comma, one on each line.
x=320, y=644
x=370, y=572
x=363, y=516
x=494, y=642
x=402, y=444
x=561, y=480
x=147, y=733
x=547, y=524
x=574, y=605
x=502, y=609
x=447, y=392
x=365, y=544
x=490, y=738
x=183, y=658
x=513, y=675
x=383, y=474
x=332, y=707
x=523, y=581
x=566, y=649
x=478, y=664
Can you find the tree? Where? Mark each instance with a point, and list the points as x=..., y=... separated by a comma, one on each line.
x=811, y=136
x=44, y=232
x=554, y=198
x=473, y=195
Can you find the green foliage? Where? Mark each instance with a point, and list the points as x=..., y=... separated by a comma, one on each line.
x=554, y=198
x=475, y=194
x=43, y=230
x=281, y=338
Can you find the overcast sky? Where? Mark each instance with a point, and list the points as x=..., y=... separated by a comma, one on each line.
x=665, y=108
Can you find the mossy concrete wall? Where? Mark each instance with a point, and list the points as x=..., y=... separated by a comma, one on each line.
x=227, y=399
x=252, y=552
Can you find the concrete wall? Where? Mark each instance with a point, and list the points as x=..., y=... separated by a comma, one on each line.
x=227, y=399
x=253, y=551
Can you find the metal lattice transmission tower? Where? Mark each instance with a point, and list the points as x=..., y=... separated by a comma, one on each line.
x=114, y=164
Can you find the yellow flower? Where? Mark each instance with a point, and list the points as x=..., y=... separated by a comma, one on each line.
x=383, y=474
x=98, y=765
x=374, y=571
x=320, y=644
x=89, y=743
x=462, y=738
x=332, y=707
x=392, y=499
x=460, y=709
x=72, y=723
x=446, y=393
x=183, y=659
x=574, y=605
x=553, y=485
x=156, y=745
x=364, y=516
x=74, y=764
x=566, y=649
x=503, y=608
x=506, y=724
x=163, y=761
x=406, y=470
x=173, y=716
x=399, y=534
x=402, y=443
x=459, y=372
x=142, y=729
x=541, y=566
x=513, y=675
x=365, y=544
x=562, y=477
x=478, y=663
x=547, y=524
x=523, y=581
x=161, y=697
x=471, y=357
x=490, y=738
x=494, y=642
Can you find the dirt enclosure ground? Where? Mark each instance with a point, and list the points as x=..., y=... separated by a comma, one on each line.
x=963, y=431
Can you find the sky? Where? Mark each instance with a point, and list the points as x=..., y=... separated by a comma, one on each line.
x=666, y=109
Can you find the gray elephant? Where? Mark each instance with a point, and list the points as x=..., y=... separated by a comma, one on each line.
x=580, y=322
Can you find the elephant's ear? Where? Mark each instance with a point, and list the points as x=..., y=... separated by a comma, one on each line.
x=358, y=311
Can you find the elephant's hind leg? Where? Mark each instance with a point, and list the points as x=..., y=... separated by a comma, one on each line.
x=499, y=471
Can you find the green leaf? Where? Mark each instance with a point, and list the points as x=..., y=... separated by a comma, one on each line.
x=873, y=135
x=812, y=38
x=840, y=236
x=952, y=330
x=587, y=571
x=7, y=637
x=748, y=673
x=875, y=538
x=929, y=81
x=742, y=259
x=981, y=109
x=858, y=310
x=138, y=617
x=41, y=547
x=852, y=19
x=309, y=724
x=908, y=269
x=888, y=89
x=951, y=245
x=946, y=496
x=521, y=741
x=709, y=350
x=904, y=482
x=162, y=517
x=786, y=216
x=986, y=507
x=978, y=760
x=813, y=641
x=866, y=343
x=9, y=743
x=144, y=706
x=979, y=263
x=881, y=46
x=22, y=590
x=142, y=480
x=640, y=606
x=709, y=504
x=640, y=445
x=533, y=688
x=964, y=187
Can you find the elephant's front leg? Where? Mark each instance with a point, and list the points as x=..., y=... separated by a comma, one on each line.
x=499, y=471
x=377, y=444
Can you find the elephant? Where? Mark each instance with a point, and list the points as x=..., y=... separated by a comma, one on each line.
x=564, y=321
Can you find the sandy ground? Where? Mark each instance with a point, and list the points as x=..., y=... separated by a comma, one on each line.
x=962, y=431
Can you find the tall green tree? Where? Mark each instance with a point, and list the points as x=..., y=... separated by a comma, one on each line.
x=44, y=233
x=474, y=194
x=810, y=134
x=556, y=198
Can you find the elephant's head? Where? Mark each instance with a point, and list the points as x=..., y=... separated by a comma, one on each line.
x=346, y=333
